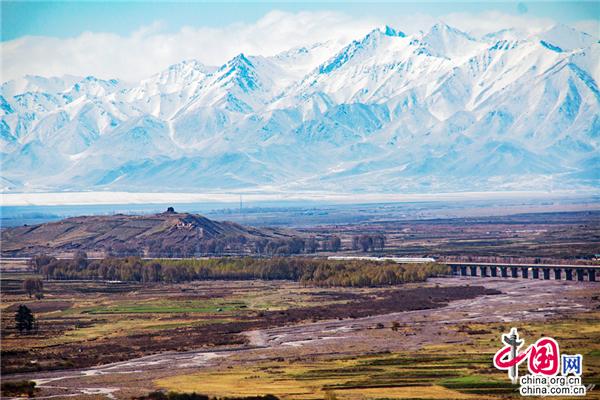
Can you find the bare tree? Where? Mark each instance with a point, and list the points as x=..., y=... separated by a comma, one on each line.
x=335, y=243
x=34, y=286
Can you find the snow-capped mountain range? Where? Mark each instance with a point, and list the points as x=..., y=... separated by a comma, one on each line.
x=429, y=112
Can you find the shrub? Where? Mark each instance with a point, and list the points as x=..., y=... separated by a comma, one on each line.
x=18, y=388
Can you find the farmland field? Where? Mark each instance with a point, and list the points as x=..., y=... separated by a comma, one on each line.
x=430, y=340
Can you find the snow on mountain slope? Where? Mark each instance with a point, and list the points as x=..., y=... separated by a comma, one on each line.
x=163, y=94
x=382, y=65
x=561, y=38
x=510, y=34
x=435, y=111
x=444, y=41
x=299, y=61
x=30, y=83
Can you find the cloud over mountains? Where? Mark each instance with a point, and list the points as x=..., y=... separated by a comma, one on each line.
x=140, y=54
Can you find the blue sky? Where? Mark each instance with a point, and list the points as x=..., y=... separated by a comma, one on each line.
x=67, y=19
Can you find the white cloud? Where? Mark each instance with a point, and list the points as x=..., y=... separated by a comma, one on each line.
x=475, y=24
x=149, y=49
x=493, y=21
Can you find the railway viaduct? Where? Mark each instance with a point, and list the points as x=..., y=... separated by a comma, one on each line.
x=589, y=273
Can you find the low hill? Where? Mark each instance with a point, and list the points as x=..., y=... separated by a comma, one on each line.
x=168, y=234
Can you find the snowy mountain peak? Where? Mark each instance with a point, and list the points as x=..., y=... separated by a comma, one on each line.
x=435, y=111
x=240, y=61
x=389, y=31
x=510, y=34
x=443, y=29
x=182, y=73
x=33, y=83
x=241, y=71
x=564, y=38
x=94, y=87
x=365, y=47
x=186, y=67
x=443, y=40
x=190, y=63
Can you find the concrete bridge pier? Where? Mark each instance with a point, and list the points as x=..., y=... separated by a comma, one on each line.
x=569, y=274
x=546, y=273
x=526, y=271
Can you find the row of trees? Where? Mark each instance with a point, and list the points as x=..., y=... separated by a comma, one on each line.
x=158, y=395
x=320, y=272
x=231, y=244
x=368, y=242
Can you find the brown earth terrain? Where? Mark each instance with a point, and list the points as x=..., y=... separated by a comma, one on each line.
x=429, y=340
x=102, y=350
x=120, y=234
x=562, y=237
x=557, y=237
x=395, y=346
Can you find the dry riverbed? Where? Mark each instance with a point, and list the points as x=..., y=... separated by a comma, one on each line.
x=509, y=302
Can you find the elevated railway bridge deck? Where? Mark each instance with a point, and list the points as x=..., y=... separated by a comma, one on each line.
x=577, y=272
x=570, y=272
